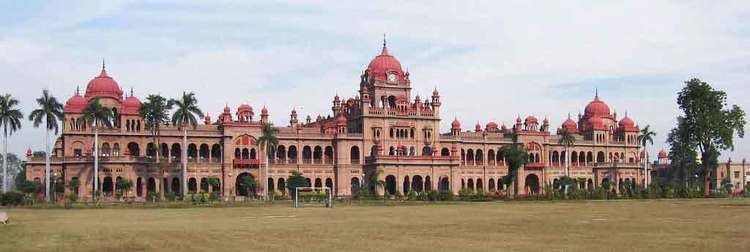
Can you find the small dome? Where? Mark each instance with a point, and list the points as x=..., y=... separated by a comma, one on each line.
x=570, y=125
x=626, y=122
x=227, y=109
x=264, y=111
x=456, y=124
x=341, y=120
x=103, y=86
x=662, y=154
x=531, y=120
x=518, y=120
x=478, y=127
x=207, y=119
x=435, y=92
x=491, y=126
x=29, y=152
x=75, y=104
x=596, y=108
x=244, y=107
x=131, y=106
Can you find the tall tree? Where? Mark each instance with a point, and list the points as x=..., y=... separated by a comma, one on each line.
x=184, y=117
x=10, y=121
x=566, y=139
x=95, y=115
x=645, y=138
x=50, y=111
x=682, y=154
x=268, y=142
x=155, y=113
x=712, y=124
x=515, y=156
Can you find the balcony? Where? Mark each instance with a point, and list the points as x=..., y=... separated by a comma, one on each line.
x=246, y=163
x=415, y=160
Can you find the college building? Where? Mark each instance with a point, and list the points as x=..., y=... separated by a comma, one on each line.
x=383, y=131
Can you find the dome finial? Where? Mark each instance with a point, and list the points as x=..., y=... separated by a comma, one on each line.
x=131, y=91
x=596, y=93
x=568, y=115
x=78, y=90
x=385, y=49
x=103, y=65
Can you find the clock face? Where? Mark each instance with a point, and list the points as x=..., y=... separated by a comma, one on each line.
x=392, y=77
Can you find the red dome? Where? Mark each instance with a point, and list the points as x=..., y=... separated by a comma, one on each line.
x=341, y=120
x=456, y=124
x=383, y=64
x=596, y=123
x=131, y=106
x=531, y=120
x=264, y=111
x=596, y=108
x=75, y=104
x=103, y=86
x=491, y=126
x=244, y=107
x=626, y=122
x=662, y=154
x=570, y=125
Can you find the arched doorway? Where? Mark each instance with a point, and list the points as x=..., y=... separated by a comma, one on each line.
x=444, y=185
x=532, y=184
x=107, y=186
x=355, y=186
x=150, y=186
x=417, y=184
x=176, y=188
x=245, y=185
x=139, y=187
x=390, y=184
x=192, y=185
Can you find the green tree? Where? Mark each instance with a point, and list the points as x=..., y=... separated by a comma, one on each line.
x=73, y=185
x=50, y=111
x=515, y=157
x=185, y=116
x=682, y=154
x=155, y=113
x=268, y=141
x=293, y=181
x=95, y=116
x=645, y=138
x=10, y=121
x=124, y=185
x=247, y=184
x=711, y=122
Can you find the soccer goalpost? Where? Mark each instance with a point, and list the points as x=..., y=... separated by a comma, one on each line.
x=312, y=196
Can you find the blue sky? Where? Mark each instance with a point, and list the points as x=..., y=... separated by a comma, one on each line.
x=491, y=60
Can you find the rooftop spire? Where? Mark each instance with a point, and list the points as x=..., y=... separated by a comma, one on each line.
x=385, y=49
x=78, y=90
x=131, y=91
x=596, y=93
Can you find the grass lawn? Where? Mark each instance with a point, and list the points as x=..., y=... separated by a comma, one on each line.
x=632, y=225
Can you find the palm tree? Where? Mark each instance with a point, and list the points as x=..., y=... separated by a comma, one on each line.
x=50, y=111
x=10, y=120
x=566, y=139
x=184, y=116
x=268, y=142
x=155, y=112
x=515, y=157
x=95, y=115
x=645, y=138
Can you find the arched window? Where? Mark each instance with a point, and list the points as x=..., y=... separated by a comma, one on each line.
x=445, y=152
x=306, y=154
x=354, y=155
x=134, y=149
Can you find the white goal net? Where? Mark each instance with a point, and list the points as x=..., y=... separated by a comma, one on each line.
x=312, y=196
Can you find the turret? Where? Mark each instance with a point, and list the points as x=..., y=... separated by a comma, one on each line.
x=293, y=118
x=435, y=102
x=264, y=115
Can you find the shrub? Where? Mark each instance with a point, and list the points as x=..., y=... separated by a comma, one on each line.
x=11, y=198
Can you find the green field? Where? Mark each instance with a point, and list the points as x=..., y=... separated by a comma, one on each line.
x=630, y=225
